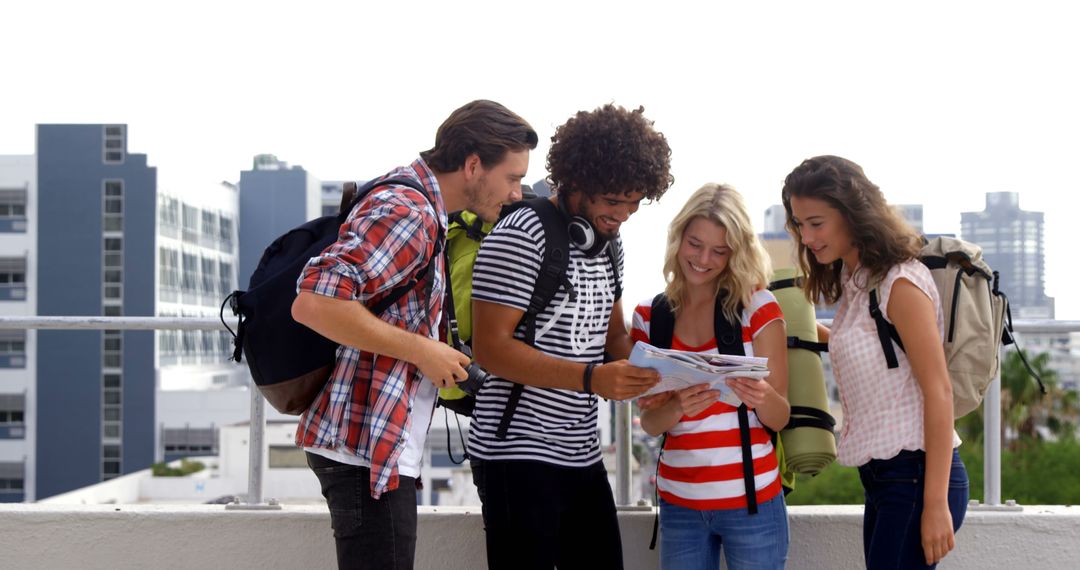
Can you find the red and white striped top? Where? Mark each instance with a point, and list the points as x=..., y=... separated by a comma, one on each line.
x=701, y=467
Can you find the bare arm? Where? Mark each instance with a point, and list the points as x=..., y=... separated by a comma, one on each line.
x=913, y=314
x=619, y=344
x=500, y=353
x=350, y=323
x=823, y=333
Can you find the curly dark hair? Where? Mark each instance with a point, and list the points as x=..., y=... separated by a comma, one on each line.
x=481, y=127
x=878, y=230
x=611, y=149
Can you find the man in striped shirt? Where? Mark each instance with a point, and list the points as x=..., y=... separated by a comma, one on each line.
x=547, y=501
x=364, y=434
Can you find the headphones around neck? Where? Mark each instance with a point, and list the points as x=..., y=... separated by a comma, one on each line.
x=581, y=231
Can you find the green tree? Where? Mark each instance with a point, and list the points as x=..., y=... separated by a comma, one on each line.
x=1024, y=407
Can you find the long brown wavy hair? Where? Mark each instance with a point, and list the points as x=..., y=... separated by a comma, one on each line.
x=878, y=231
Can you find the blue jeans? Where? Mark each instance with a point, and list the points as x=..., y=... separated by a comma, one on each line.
x=693, y=539
x=369, y=533
x=892, y=520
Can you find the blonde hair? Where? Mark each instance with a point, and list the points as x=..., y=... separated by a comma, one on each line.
x=748, y=266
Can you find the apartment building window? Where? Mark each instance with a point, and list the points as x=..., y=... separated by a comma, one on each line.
x=12, y=210
x=209, y=277
x=168, y=273
x=12, y=409
x=113, y=206
x=209, y=339
x=11, y=477
x=225, y=275
x=189, y=278
x=190, y=224
x=13, y=203
x=110, y=460
x=225, y=228
x=286, y=457
x=209, y=229
x=12, y=278
x=12, y=349
x=114, y=144
x=189, y=441
x=225, y=340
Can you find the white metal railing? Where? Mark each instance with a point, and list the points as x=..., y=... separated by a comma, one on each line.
x=623, y=434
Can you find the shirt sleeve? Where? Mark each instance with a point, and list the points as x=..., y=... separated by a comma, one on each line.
x=382, y=244
x=917, y=273
x=639, y=326
x=763, y=310
x=508, y=263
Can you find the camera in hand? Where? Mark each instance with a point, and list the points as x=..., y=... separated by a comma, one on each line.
x=477, y=377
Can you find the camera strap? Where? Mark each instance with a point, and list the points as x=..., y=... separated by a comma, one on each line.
x=449, y=317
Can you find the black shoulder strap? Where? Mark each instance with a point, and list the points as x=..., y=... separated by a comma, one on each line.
x=729, y=341
x=398, y=292
x=613, y=249
x=554, y=263
x=887, y=333
x=661, y=322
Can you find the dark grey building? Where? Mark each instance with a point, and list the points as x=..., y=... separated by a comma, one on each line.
x=95, y=255
x=1012, y=242
x=273, y=198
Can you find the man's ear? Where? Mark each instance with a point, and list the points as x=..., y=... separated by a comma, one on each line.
x=472, y=166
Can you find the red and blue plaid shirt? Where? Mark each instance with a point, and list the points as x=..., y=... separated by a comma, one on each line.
x=365, y=408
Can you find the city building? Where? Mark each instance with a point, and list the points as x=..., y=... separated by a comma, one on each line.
x=85, y=231
x=1012, y=241
x=198, y=388
x=274, y=197
x=17, y=347
x=95, y=255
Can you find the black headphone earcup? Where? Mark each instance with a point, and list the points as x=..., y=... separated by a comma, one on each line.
x=581, y=233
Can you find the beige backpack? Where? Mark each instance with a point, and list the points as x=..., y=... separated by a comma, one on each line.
x=977, y=319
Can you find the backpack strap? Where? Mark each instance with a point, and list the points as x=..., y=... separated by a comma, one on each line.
x=661, y=322
x=554, y=262
x=729, y=341
x=613, y=249
x=886, y=332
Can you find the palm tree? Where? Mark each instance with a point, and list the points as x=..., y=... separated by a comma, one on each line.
x=1024, y=407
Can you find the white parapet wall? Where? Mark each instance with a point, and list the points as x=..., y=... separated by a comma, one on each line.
x=451, y=538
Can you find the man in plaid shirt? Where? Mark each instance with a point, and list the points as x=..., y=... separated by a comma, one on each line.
x=364, y=434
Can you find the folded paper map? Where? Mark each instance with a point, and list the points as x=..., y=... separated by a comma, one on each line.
x=680, y=369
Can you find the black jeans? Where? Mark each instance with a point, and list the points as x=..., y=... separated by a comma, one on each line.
x=541, y=516
x=377, y=534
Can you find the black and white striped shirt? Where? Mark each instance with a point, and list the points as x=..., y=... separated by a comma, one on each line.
x=549, y=425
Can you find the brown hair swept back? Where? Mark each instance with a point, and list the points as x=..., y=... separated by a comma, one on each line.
x=878, y=231
x=482, y=127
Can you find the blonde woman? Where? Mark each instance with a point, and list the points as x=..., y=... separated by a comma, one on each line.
x=718, y=482
x=898, y=422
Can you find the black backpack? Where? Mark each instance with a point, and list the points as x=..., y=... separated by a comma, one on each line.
x=289, y=362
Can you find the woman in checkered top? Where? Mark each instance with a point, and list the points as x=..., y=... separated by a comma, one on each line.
x=898, y=422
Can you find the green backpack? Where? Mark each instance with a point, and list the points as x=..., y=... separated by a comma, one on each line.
x=463, y=235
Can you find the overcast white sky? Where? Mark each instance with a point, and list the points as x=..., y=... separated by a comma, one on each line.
x=939, y=101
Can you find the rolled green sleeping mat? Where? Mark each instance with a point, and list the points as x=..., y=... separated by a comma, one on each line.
x=808, y=439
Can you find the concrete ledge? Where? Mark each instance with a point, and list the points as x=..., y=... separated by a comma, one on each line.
x=208, y=536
